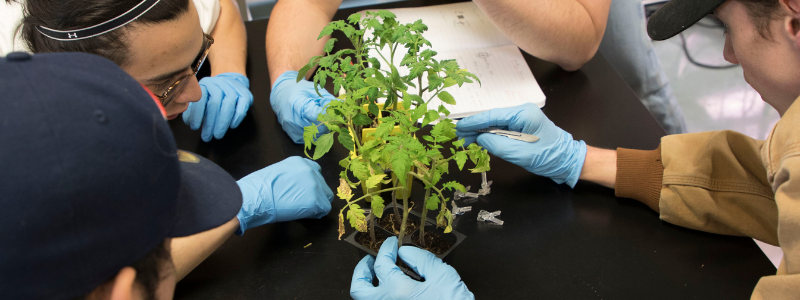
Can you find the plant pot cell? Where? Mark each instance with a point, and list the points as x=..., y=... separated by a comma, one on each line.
x=436, y=241
x=364, y=239
x=389, y=223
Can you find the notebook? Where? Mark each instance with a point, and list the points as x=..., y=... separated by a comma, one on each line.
x=462, y=32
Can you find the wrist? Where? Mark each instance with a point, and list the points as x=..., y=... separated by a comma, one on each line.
x=600, y=166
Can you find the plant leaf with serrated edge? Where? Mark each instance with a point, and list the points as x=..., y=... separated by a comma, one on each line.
x=446, y=98
x=454, y=185
x=461, y=159
x=323, y=144
x=448, y=82
x=459, y=143
x=346, y=140
x=401, y=164
x=359, y=169
x=373, y=180
x=327, y=30
x=354, y=18
x=432, y=202
x=443, y=110
x=357, y=218
x=430, y=116
x=373, y=109
x=361, y=120
x=377, y=206
x=345, y=162
x=343, y=191
x=309, y=133
x=329, y=45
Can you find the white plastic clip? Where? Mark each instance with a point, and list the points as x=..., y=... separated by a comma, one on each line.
x=485, y=185
x=458, y=194
x=460, y=210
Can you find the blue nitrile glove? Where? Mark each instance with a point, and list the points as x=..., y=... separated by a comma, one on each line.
x=224, y=103
x=297, y=104
x=288, y=190
x=555, y=154
x=441, y=280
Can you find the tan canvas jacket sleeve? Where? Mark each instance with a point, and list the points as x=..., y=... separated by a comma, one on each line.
x=727, y=183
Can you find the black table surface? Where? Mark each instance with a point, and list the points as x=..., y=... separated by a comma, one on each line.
x=557, y=242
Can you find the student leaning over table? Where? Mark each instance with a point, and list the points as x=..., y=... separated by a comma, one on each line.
x=566, y=32
x=721, y=182
x=95, y=194
x=155, y=48
x=288, y=190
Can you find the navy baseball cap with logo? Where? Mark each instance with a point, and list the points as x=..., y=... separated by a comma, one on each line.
x=90, y=177
x=677, y=15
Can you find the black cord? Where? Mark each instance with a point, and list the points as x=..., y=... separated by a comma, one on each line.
x=699, y=64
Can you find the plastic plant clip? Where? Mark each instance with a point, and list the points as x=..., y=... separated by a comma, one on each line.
x=485, y=185
x=458, y=194
x=460, y=210
x=490, y=217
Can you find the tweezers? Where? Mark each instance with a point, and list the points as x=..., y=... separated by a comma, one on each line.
x=511, y=134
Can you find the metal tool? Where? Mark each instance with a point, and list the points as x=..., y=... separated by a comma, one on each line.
x=511, y=134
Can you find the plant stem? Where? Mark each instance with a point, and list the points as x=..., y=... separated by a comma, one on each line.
x=372, y=226
x=424, y=216
x=394, y=198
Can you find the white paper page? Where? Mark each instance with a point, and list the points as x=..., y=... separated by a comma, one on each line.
x=455, y=26
x=462, y=32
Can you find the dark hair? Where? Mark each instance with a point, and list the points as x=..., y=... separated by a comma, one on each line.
x=761, y=13
x=149, y=270
x=76, y=14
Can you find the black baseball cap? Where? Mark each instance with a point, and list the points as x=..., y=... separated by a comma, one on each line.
x=677, y=15
x=90, y=177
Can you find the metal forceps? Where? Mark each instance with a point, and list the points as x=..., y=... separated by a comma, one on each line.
x=511, y=134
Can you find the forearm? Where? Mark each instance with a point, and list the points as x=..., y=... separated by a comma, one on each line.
x=229, y=52
x=292, y=33
x=600, y=166
x=188, y=252
x=565, y=32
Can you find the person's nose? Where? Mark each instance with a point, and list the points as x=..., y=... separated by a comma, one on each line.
x=191, y=93
x=728, y=51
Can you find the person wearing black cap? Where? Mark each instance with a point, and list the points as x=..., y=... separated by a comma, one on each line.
x=92, y=190
x=161, y=43
x=721, y=181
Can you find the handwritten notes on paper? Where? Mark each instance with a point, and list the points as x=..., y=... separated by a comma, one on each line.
x=462, y=32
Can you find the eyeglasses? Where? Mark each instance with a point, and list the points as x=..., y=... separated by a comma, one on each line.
x=176, y=87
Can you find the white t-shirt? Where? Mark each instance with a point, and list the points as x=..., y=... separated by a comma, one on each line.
x=11, y=16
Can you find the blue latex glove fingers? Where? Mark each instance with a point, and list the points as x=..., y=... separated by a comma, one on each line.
x=241, y=85
x=297, y=104
x=385, y=268
x=288, y=190
x=213, y=106
x=525, y=118
x=193, y=116
x=468, y=136
x=361, y=286
x=441, y=280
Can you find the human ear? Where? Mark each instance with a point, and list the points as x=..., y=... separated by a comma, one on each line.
x=122, y=285
x=792, y=20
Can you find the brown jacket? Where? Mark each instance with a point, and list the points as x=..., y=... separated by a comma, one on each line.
x=725, y=182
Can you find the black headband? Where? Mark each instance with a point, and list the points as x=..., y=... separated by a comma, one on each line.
x=88, y=32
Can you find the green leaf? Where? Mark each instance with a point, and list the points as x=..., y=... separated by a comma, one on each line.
x=359, y=169
x=430, y=116
x=443, y=110
x=459, y=143
x=346, y=140
x=461, y=158
x=414, y=98
x=401, y=164
x=432, y=202
x=373, y=180
x=454, y=185
x=447, y=98
x=302, y=73
x=354, y=18
x=383, y=129
x=345, y=162
x=361, y=120
x=434, y=81
x=449, y=81
x=329, y=45
x=323, y=144
x=372, y=81
x=377, y=206
x=373, y=109
x=327, y=30
x=309, y=133
x=357, y=218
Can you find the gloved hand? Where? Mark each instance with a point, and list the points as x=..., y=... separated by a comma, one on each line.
x=555, y=155
x=224, y=103
x=441, y=280
x=288, y=190
x=297, y=104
